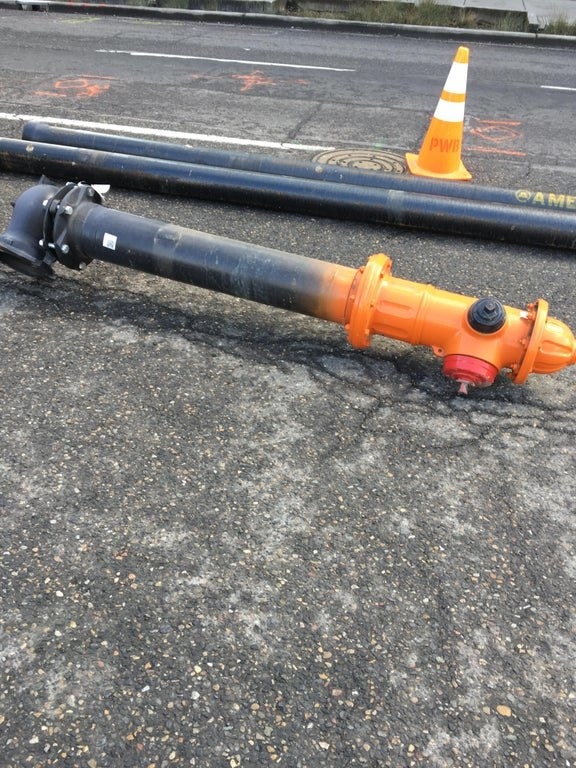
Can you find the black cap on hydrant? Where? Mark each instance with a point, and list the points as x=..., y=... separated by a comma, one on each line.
x=487, y=315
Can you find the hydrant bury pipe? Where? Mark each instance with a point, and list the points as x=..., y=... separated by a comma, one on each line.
x=333, y=200
x=476, y=338
x=245, y=161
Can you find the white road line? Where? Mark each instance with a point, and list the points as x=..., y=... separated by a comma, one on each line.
x=164, y=134
x=557, y=88
x=225, y=61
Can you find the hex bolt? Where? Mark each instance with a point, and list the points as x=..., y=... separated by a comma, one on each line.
x=68, y=210
x=65, y=248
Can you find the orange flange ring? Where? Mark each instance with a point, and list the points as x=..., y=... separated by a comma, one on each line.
x=541, y=309
x=359, y=327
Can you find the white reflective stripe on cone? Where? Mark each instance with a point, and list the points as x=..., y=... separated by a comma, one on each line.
x=456, y=82
x=450, y=111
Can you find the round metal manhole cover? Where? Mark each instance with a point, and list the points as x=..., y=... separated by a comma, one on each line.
x=365, y=159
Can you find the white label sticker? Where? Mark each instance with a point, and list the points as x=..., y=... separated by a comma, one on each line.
x=109, y=241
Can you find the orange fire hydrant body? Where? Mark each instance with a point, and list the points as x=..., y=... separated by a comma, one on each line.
x=477, y=338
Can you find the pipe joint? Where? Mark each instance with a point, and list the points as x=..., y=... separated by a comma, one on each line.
x=59, y=219
x=363, y=297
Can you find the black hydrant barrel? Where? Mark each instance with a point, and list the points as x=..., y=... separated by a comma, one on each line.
x=264, y=275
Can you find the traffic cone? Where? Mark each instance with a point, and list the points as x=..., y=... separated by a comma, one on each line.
x=439, y=155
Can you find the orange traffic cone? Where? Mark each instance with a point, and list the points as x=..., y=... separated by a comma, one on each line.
x=440, y=151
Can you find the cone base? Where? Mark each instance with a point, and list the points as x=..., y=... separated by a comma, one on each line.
x=459, y=174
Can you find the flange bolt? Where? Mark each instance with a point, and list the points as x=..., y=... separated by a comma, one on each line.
x=487, y=315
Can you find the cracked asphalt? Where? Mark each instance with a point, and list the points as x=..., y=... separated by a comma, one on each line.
x=229, y=539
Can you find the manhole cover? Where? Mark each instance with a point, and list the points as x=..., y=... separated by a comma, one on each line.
x=367, y=159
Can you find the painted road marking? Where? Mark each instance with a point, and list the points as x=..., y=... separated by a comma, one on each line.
x=497, y=136
x=81, y=87
x=252, y=80
x=165, y=134
x=224, y=61
x=557, y=88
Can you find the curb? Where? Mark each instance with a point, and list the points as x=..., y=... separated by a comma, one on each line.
x=298, y=22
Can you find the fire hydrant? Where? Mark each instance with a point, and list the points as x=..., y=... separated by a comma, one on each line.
x=475, y=337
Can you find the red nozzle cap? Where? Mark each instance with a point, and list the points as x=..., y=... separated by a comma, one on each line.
x=469, y=370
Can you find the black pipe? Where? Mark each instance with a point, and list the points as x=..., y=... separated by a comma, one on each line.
x=347, y=201
x=68, y=224
x=245, y=161
x=264, y=275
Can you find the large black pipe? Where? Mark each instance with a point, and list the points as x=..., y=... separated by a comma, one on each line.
x=67, y=224
x=245, y=161
x=343, y=201
x=264, y=275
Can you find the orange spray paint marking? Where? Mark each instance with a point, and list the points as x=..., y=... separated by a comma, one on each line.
x=81, y=87
x=253, y=80
x=496, y=134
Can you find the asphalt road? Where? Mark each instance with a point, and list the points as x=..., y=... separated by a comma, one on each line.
x=284, y=85
x=229, y=539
